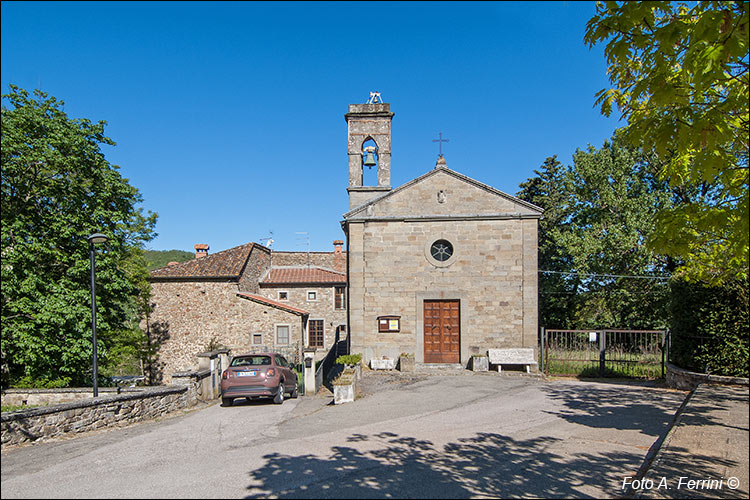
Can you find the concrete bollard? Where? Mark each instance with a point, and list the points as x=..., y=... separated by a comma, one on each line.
x=309, y=362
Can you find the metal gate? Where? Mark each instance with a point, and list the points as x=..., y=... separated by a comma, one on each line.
x=604, y=353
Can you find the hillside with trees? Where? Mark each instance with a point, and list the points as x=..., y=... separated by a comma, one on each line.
x=160, y=258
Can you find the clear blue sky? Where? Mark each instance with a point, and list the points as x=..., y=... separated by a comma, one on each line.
x=229, y=117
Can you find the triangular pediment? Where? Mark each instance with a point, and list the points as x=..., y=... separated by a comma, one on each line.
x=443, y=192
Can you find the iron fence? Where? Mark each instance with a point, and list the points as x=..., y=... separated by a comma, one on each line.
x=604, y=353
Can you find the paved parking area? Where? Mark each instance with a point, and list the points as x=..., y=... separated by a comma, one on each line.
x=706, y=453
x=441, y=437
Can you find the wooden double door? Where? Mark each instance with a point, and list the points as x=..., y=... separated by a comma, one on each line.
x=442, y=331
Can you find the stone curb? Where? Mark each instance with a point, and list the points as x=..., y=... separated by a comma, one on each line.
x=655, y=453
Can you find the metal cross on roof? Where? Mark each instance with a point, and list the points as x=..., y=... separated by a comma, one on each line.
x=440, y=142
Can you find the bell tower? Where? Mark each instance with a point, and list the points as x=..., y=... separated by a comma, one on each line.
x=369, y=131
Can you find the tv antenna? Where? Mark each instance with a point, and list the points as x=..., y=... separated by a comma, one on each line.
x=305, y=236
x=268, y=241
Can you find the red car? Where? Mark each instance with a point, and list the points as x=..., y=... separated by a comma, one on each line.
x=250, y=376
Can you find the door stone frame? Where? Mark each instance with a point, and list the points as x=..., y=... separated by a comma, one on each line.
x=462, y=299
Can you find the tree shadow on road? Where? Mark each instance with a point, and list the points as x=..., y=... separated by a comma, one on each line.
x=616, y=407
x=387, y=465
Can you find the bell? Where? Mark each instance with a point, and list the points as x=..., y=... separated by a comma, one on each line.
x=369, y=160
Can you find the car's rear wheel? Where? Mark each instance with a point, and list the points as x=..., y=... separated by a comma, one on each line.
x=279, y=398
x=295, y=392
x=227, y=401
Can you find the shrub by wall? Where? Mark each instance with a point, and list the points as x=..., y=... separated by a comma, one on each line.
x=710, y=327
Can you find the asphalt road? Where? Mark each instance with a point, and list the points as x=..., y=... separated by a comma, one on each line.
x=445, y=437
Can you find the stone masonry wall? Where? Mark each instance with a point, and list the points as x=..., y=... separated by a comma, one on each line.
x=81, y=416
x=193, y=314
x=317, y=259
x=256, y=266
x=323, y=308
x=494, y=275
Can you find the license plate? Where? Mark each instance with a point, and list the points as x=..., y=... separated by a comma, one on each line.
x=247, y=374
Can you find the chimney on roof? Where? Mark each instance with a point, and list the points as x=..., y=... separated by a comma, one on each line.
x=201, y=250
x=338, y=256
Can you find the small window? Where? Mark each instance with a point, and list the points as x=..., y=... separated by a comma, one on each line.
x=283, y=295
x=312, y=296
x=282, y=335
x=257, y=339
x=339, y=300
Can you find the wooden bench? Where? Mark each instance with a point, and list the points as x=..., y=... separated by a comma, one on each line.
x=520, y=356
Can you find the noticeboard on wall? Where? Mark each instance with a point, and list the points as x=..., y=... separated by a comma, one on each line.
x=389, y=324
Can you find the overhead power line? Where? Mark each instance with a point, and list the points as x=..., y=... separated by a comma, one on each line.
x=572, y=273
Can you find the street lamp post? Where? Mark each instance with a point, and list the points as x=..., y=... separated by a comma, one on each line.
x=94, y=238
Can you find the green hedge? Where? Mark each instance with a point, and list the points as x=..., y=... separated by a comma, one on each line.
x=710, y=327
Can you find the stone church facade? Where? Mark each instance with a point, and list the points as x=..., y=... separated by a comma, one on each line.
x=442, y=267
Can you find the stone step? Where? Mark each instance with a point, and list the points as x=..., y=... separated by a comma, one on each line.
x=439, y=367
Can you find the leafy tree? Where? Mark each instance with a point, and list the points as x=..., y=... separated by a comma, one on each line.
x=57, y=188
x=615, y=195
x=598, y=213
x=547, y=189
x=679, y=75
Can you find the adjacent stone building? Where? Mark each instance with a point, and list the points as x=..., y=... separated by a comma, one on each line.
x=442, y=267
x=241, y=299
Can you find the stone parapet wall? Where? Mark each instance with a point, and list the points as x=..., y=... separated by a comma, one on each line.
x=93, y=413
x=679, y=378
x=38, y=397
